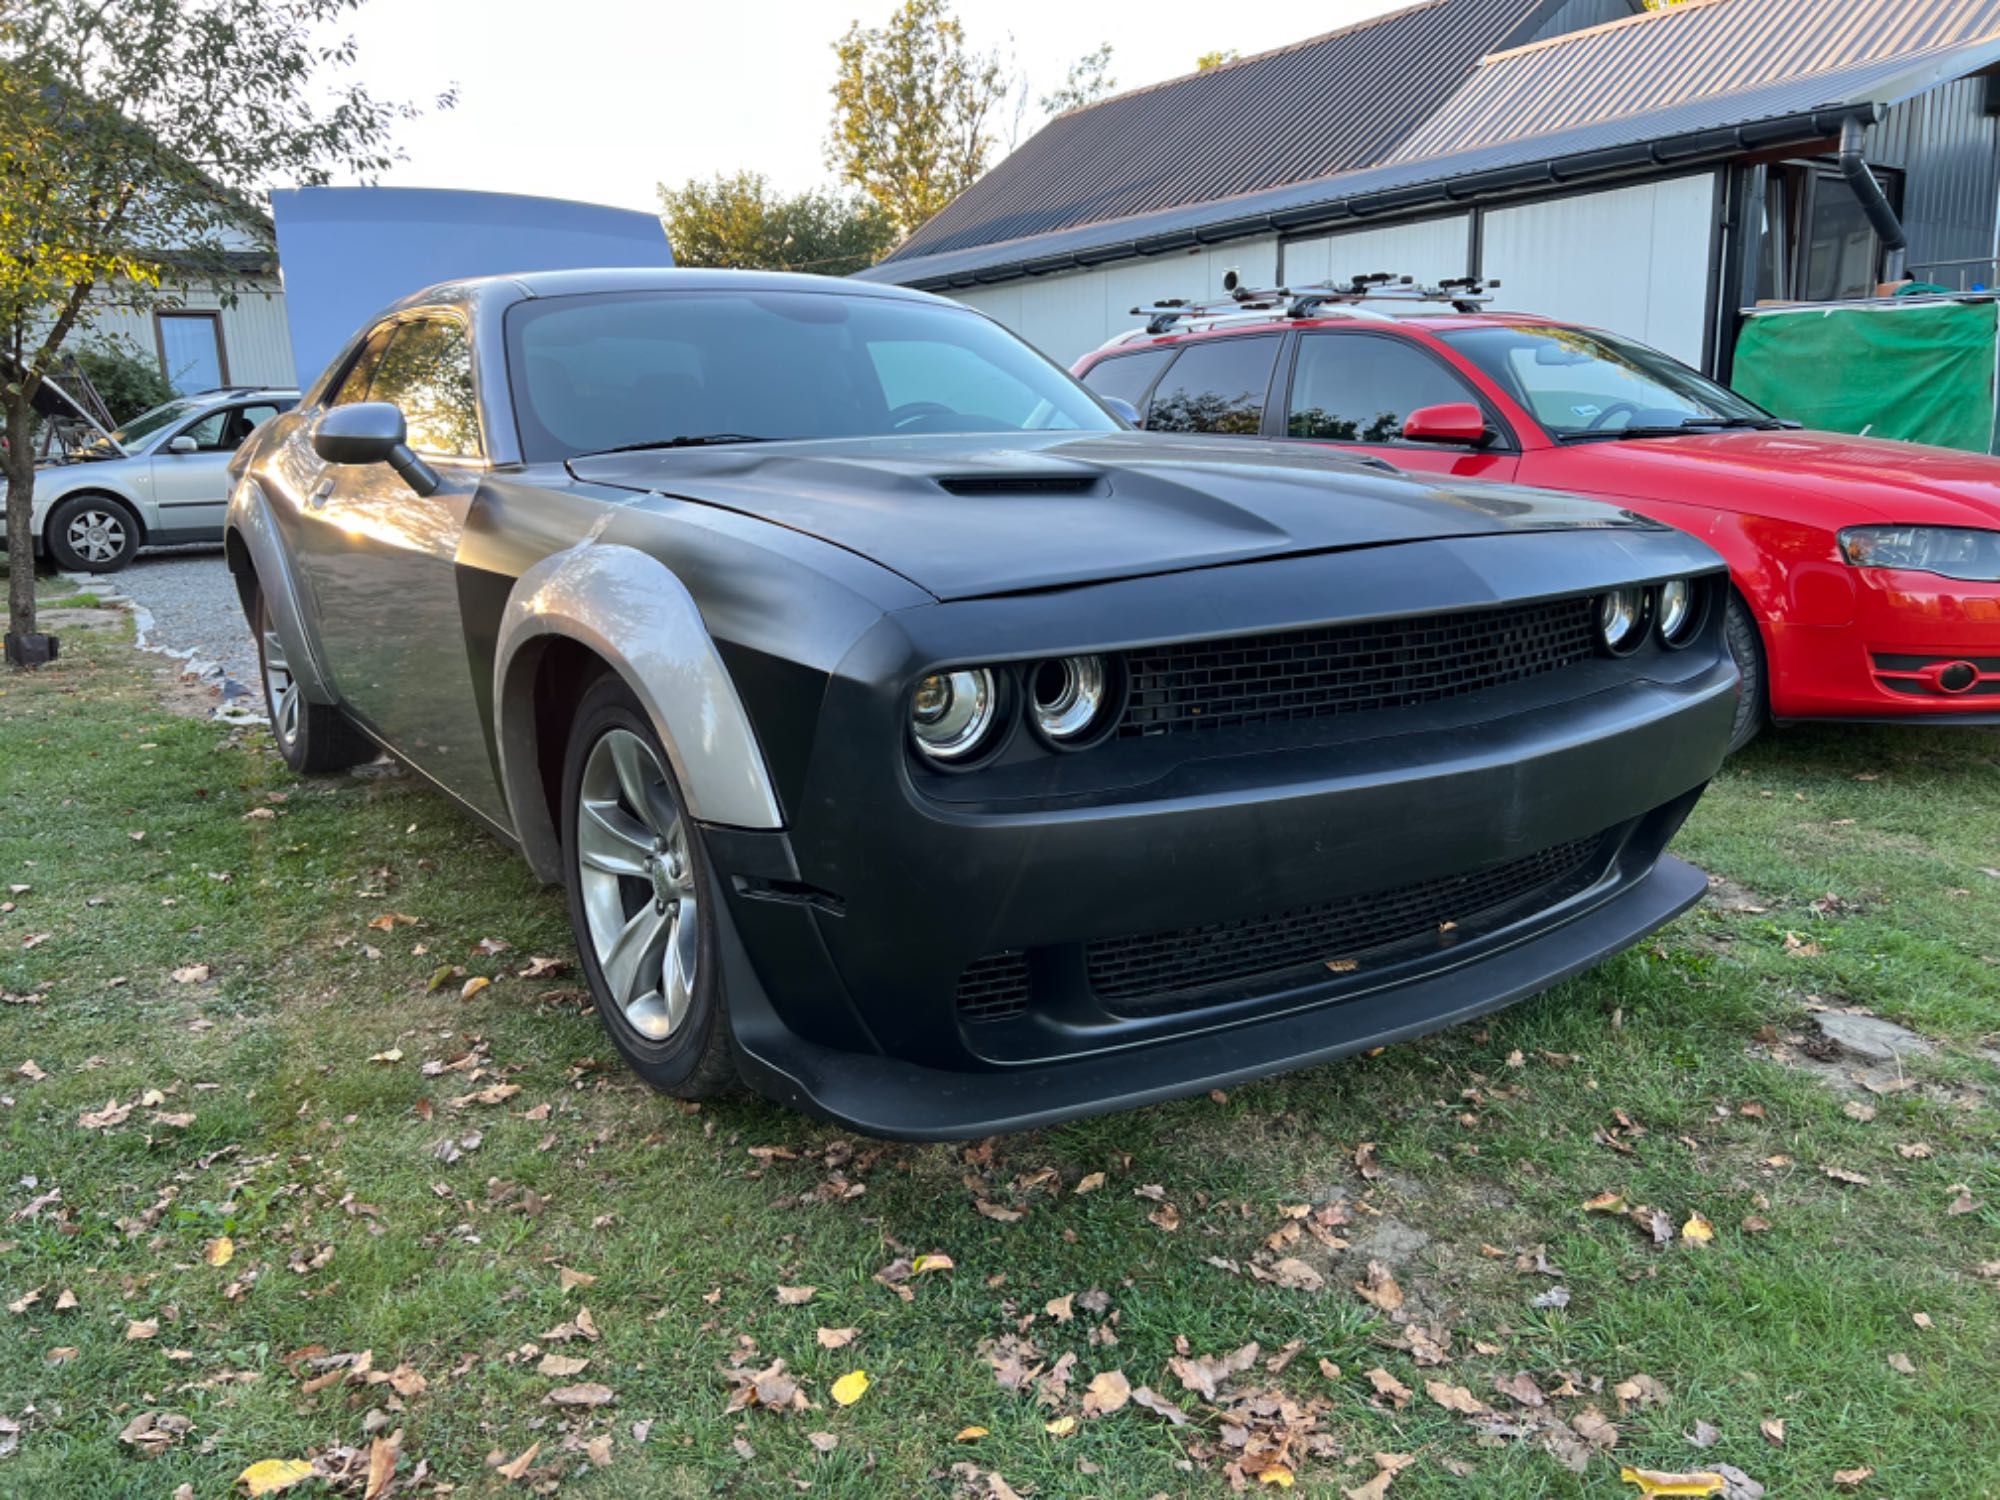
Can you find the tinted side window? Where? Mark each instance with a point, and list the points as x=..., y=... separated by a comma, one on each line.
x=354, y=384
x=1219, y=386
x=1126, y=376
x=1357, y=388
x=427, y=373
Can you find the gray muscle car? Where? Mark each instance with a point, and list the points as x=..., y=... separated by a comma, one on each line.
x=923, y=746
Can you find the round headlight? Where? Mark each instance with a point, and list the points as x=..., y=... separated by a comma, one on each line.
x=1679, y=619
x=952, y=712
x=1067, y=697
x=1621, y=614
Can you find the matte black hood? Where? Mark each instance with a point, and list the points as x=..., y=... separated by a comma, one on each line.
x=963, y=517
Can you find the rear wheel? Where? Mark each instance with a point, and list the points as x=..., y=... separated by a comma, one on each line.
x=1746, y=647
x=640, y=899
x=92, y=534
x=311, y=736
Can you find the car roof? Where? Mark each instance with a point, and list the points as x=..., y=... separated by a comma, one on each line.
x=514, y=287
x=223, y=394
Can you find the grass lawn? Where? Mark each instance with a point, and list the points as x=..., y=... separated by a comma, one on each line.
x=223, y=976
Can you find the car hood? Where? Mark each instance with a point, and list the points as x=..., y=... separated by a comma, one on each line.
x=964, y=517
x=1840, y=480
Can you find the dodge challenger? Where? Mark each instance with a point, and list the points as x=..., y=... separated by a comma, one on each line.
x=920, y=744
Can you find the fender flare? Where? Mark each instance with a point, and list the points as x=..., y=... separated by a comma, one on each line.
x=630, y=610
x=251, y=532
x=43, y=505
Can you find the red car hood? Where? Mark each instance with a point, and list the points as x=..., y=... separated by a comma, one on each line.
x=1821, y=476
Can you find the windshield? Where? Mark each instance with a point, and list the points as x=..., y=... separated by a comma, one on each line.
x=628, y=369
x=143, y=426
x=1579, y=383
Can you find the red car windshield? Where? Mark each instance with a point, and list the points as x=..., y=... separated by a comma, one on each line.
x=1582, y=385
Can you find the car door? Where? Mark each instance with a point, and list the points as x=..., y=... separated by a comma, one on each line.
x=1354, y=389
x=381, y=560
x=191, y=488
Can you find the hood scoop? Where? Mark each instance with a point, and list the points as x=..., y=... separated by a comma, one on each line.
x=1020, y=484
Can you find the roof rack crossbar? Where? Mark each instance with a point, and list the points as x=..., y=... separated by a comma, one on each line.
x=1464, y=293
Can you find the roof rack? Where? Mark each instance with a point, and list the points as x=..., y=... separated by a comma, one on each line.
x=1464, y=294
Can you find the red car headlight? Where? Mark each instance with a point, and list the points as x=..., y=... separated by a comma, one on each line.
x=1961, y=552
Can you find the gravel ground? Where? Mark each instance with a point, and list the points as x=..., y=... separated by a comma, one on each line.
x=194, y=608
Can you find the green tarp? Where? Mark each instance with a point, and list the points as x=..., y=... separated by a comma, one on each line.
x=1922, y=371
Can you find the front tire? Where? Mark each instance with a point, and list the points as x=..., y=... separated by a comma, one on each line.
x=92, y=534
x=641, y=900
x=312, y=737
x=1746, y=647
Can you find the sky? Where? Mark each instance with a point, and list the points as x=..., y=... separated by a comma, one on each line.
x=600, y=100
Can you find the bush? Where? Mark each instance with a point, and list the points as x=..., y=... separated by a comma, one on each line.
x=128, y=383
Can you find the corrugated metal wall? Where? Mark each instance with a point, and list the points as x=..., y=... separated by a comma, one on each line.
x=1949, y=150
x=256, y=339
x=1634, y=260
x=1067, y=316
x=1428, y=250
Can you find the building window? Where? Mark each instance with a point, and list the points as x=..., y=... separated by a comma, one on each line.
x=1815, y=242
x=191, y=352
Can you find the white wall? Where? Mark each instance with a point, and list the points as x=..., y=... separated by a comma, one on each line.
x=1429, y=251
x=1633, y=260
x=255, y=336
x=1069, y=315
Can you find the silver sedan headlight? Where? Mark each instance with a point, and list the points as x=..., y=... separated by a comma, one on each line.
x=952, y=714
x=1961, y=552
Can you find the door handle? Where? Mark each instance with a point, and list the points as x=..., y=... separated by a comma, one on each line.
x=320, y=491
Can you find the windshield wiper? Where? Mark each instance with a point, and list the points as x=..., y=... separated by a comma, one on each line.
x=685, y=440
x=1678, y=429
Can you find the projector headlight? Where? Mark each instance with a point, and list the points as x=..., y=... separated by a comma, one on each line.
x=1069, y=699
x=1681, y=610
x=1621, y=620
x=1960, y=552
x=952, y=713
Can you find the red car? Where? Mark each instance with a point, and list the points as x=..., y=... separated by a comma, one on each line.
x=1866, y=572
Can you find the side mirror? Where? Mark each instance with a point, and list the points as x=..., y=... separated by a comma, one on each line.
x=1451, y=422
x=182, y=444
x=1122, y=409
x=372, y=432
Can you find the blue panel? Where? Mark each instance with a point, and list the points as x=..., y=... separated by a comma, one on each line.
x=348, y=253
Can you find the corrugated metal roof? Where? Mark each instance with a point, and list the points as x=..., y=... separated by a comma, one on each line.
x=1778, y=114
x=1698, y=50
x=1326, y=105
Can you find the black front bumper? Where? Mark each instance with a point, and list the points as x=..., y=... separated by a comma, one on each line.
x=881, y=1096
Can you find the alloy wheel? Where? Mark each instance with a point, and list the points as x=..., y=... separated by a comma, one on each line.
x=281, y=690
x=636, y=878
x=96, y=535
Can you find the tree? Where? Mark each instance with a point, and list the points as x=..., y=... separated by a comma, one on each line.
x=738, y=221
x=1208, y=62
x=126, y=382
x=913, y=111
x=132, y=136
x=1089, y=80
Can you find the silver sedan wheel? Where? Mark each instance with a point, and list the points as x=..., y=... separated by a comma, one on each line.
x=637, y=883
x=281, y=691
x=96, y=535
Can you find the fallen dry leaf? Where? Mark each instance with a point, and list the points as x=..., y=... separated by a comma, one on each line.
x=473, y=986
x=1456, y=1398
x=1152, y=1401
x=1107, y=1393
x=193, y=974
x=561, y=1366
x=568, y=1280
x=1697, y=1230
x=1773, y=1429
x=271, y=1475
x=1841, y=1174
x=1388, y=1385
x=221, y=1250
x=587, y=1394
x=141, y=1329
x=383, y=1455
x=795, y=1296
x=837, y=1338
x=1090, y=1182
x=1653, y=1482
x=516, y=1468
x=1380, y=1289
x=1851, y=1479
x=997, y=1212
x=851, y=1387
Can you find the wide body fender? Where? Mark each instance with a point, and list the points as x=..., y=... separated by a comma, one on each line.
x=629, y=609
x=258, y=559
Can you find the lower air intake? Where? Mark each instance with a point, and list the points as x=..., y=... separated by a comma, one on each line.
x=994, y=988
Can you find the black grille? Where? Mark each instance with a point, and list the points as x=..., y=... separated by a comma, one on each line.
x=994, y=988
x=1337, y=669
x=1157, y=971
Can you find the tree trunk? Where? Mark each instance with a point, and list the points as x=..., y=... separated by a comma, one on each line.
x=20, y=465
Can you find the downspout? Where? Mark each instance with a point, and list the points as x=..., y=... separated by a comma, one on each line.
x=1874, y=203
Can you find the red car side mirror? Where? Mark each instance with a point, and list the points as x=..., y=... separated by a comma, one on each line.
x=1449, y=422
